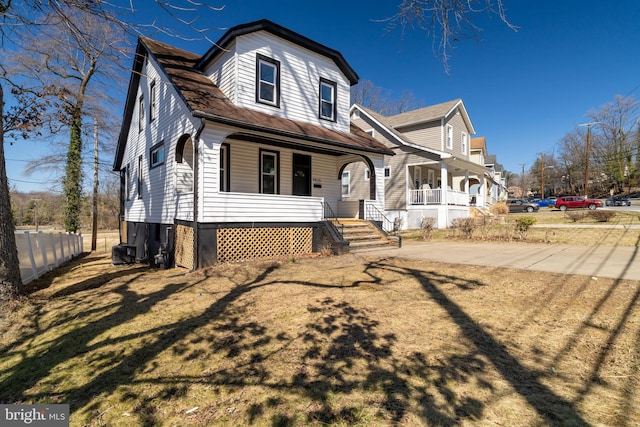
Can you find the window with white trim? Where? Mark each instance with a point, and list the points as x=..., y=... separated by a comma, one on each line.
x=139, y=177
x=367, y=174
x=127, y=181
x=224, y=168
x=449, y=137
x=267, y=81
x=327, y=100
x=465, y=143
x=269, y=175
x=152, y=101
x=156, y=155
x=387, y=171
x=141, y=113
x=346, y=183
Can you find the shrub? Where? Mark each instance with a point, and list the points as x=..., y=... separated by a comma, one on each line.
x=523, y=224
x=464, y=226
x=602, y=216
x=427, y=227
x=499, y=208
x=576, y=216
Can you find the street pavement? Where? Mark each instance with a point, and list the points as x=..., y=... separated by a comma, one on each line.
x=618, y=262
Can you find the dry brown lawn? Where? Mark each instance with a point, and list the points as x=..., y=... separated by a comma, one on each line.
x=348, y=340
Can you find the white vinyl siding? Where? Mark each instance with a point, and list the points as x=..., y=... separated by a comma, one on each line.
x=300, y=72
x=245, y=179
x=223, y=72
x=159, y=203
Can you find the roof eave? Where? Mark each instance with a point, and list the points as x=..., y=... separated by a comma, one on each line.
x=282, y=32
x=280, y=132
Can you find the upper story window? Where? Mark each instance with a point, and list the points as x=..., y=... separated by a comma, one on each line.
x=327, y=100
x=141, y=113
x=449, y=137
x=267, y=81
x=152, y=101
x=156, y=155
x=465, y=143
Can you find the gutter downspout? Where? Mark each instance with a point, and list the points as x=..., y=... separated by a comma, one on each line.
x=196, y=176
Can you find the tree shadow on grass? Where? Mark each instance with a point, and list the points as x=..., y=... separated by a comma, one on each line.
x=345, y=354
x=552, y=408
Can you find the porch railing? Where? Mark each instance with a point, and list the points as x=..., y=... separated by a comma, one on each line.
x=434, y=197
x=330, y=216
x=372, y=213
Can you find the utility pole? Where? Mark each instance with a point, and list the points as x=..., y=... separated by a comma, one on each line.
x=542, y=179
x=522, y=179
x=94, y=228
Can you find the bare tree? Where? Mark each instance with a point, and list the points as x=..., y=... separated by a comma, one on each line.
x=65, y=53
x=375, y=98
x=10, y=282
x=26, y=16
x=446, y=21
x=614, y=146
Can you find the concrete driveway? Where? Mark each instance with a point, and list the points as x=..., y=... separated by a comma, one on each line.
x=618, y=262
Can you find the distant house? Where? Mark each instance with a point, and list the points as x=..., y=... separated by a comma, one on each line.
x=433, y=169
x=238, y=153
x=496, y=185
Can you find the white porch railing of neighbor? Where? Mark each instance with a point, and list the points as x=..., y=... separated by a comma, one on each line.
x=41, y=252
x=434, y=197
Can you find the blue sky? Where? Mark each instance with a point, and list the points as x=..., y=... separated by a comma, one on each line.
x=523, y=90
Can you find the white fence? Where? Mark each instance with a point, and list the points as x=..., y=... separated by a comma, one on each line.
x=41, y=252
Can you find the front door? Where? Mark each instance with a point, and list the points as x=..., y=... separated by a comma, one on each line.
x=301, y=175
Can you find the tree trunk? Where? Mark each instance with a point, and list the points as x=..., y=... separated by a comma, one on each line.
x=10, y=282
x=73, y=177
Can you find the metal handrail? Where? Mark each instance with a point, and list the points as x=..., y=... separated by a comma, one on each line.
x=372, y=213
x=333, y=218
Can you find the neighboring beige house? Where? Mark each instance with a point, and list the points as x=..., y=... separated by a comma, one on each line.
x=432, y=171
x=495, y=185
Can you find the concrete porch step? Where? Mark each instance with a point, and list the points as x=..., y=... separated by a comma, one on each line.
x=364, y=235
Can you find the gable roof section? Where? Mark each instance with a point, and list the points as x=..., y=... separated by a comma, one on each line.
x=205, y=100
x=386, y=123
x=479, y=143
x=430, y=114
x=284, y=33
x=383, y=122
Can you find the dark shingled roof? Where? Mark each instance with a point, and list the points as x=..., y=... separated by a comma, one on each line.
x=206, y=100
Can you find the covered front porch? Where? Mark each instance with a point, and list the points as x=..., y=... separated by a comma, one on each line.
x=444, y=190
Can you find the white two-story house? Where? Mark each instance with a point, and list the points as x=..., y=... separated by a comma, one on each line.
x=238, y=153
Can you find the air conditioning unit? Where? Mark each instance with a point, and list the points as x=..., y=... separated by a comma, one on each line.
x=123, y=254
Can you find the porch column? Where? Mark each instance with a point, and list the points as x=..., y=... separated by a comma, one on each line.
x=466, y=182
x=483, y=186
x=444, y=183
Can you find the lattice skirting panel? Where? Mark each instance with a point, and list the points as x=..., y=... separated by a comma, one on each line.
x=184, y=246
x=236, y=244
